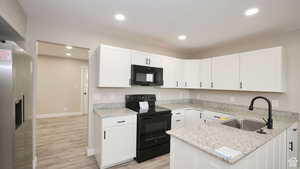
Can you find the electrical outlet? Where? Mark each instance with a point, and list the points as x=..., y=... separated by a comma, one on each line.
x=232, y=99
x=275, y=103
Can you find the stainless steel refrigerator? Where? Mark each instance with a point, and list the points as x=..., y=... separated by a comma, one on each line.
x=16, y=86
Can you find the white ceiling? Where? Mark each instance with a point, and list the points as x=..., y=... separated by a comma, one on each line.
x=205, y=22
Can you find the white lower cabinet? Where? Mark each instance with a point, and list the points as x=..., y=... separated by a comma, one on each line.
x=275, y=154
x=177, y=119
x=292, y=146
x=115, y=140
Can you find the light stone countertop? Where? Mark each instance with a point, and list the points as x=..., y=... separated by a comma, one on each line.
x=113, y=112
x=213, y=135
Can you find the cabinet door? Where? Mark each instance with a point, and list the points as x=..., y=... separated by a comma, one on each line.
x=191, y=74
x=225, y=72
x=205, y=73
x=114, y=67
x=172, y=72
x=119, y=144
x=155, y=60
x=192, y=117
x=261, y=70
x=140, y=58
x=292, y=145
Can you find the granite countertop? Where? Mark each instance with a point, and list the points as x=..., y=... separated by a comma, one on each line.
x=210, y=136
x=113, y=112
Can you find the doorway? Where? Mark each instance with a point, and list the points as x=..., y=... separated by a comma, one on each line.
x=62, y=106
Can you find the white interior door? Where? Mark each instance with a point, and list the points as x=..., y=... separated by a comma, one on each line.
x=84, y=90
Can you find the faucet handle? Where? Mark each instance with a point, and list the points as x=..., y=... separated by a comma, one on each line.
x=265, y=120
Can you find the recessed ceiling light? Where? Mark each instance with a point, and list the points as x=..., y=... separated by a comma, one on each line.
x=69, y=47
x=182, y=37
x=68, y=54
x=251, y=11
x=120, y=17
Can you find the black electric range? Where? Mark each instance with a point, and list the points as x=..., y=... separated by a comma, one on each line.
x=152, y=124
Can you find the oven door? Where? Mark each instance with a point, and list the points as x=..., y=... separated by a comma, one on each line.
x=146, y=76
x=152, y=130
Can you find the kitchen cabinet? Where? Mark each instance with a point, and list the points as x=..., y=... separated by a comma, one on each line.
x=145, y=59
x=205, y=73
x=192, y=117
x=114, y=66
x=263, y=70
x=191, y=73
x=270, y=155
x=115, y=140
x=225, y=72
x=292, y=146
x=177, y=119
x=172, y=72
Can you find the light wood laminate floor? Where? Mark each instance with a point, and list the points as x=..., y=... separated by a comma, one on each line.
x=62, y=142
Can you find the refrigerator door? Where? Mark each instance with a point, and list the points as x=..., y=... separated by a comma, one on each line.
x=6, y=108
x=15, y=108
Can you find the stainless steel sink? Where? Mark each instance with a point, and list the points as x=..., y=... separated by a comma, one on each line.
x=248, y=125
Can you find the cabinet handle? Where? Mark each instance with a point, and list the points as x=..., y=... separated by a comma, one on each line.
x=291, y=146
x=146, y=61
x=200, y=115
x=185, y=84
x=123, y=121
x=176, y=83
x=178, y=120
x=104, y=135
x=178, y=113
x=241, y=85
x=149, y=61
x=212, y=84
x=201, y=84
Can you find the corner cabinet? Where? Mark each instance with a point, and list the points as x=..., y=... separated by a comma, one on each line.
x=263, y=70
x=173, y=72
x=114, y=66
x=115, y=140
x=225, y=72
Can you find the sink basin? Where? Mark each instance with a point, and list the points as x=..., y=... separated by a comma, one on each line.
x=248, y=125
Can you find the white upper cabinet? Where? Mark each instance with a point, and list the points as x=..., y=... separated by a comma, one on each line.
x=205, y=73
x=225, y=72
x=114, y=66
x=263, y=70
x=191, y=74
x=145, y=59
x=172, y=72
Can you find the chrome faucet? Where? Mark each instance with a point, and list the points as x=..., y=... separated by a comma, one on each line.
x=269, y=123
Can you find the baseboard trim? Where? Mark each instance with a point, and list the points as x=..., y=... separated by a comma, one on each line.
x=34, y=162
x=90, y=151
x=52, y=115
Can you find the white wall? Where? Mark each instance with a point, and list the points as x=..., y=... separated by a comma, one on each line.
x=14, y=15
x=289, y=100
x=58, y=87
x=82, y=38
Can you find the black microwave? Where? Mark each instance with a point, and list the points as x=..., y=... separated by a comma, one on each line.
x=146, y=76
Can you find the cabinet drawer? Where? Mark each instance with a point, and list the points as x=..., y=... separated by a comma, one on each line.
x=178, y=112
x=117, y=121
x=177, y=122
